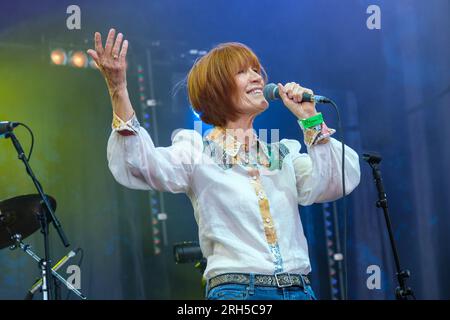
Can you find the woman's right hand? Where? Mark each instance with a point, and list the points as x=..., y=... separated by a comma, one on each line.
x=111, y=60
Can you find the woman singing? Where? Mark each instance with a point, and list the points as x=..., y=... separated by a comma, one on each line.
x=245, y=192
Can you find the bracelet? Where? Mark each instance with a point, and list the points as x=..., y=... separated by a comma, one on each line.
x=312, y=121
x=316, y=134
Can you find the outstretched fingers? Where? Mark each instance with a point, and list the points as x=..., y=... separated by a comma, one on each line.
x=123, y=52
x=94, y=55
x=98, y=43
x=110, y=41
x=112, y=57
x=116, y=48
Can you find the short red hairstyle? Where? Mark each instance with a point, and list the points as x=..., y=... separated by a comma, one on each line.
x=211, y=81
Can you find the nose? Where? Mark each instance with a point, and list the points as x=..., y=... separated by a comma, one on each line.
x=255, y=76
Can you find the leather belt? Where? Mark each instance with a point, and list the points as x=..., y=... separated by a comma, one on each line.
x=279, y=280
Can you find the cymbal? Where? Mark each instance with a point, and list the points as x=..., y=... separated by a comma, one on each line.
x=20, y=215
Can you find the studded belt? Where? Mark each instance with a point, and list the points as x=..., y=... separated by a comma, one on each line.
x=280, y=280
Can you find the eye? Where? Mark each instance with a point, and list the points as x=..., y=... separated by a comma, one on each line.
x=256, y=70
x=241, y=71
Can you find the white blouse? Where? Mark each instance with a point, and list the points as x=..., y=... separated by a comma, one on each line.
x=246, y=210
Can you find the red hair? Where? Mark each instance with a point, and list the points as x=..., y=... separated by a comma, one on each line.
x=211, y=81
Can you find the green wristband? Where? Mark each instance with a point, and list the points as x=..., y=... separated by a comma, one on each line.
x=312, y=122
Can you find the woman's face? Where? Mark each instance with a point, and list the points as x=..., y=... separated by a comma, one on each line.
x=249, y=95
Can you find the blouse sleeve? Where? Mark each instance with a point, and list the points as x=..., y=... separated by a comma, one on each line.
x=136, y=163
x=319, y=172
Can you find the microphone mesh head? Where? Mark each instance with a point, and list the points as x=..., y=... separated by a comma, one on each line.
x=270, y=91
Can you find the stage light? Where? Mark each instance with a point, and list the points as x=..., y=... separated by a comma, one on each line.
x=79, y=59
x=151, y=103
x=58, y=57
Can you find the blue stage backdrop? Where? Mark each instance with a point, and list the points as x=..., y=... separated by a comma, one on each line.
x=385, y=63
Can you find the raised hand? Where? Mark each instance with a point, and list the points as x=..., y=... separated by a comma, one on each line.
x=111, y=60
x=112, y=63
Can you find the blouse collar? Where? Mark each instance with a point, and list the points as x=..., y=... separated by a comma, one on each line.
x=231, y=145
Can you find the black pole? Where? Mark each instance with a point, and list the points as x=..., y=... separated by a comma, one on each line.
x=46, y=260
x=38, y=186
x=402, y=292
x=45, y=214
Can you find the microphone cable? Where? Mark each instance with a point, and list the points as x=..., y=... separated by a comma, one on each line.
x=32, y=139
x=344, y=202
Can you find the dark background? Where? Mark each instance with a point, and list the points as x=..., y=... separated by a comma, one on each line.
x=392, y=87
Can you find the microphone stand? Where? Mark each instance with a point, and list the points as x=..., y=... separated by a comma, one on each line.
x=402, y=292
x=27, y=249
x=46, y=213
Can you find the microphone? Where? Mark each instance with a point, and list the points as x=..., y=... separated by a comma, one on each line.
x=271, y=93
x=372, y=157
x=7, y=126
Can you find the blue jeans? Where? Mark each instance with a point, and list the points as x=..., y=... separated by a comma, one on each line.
x=252, y=292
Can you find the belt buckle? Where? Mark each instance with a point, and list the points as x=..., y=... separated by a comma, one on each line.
x=278, y=281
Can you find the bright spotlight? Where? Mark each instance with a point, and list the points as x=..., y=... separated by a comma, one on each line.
x=58, y=57
x=79, y=59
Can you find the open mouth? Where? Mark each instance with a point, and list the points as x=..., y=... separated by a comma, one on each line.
x=255, y=91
